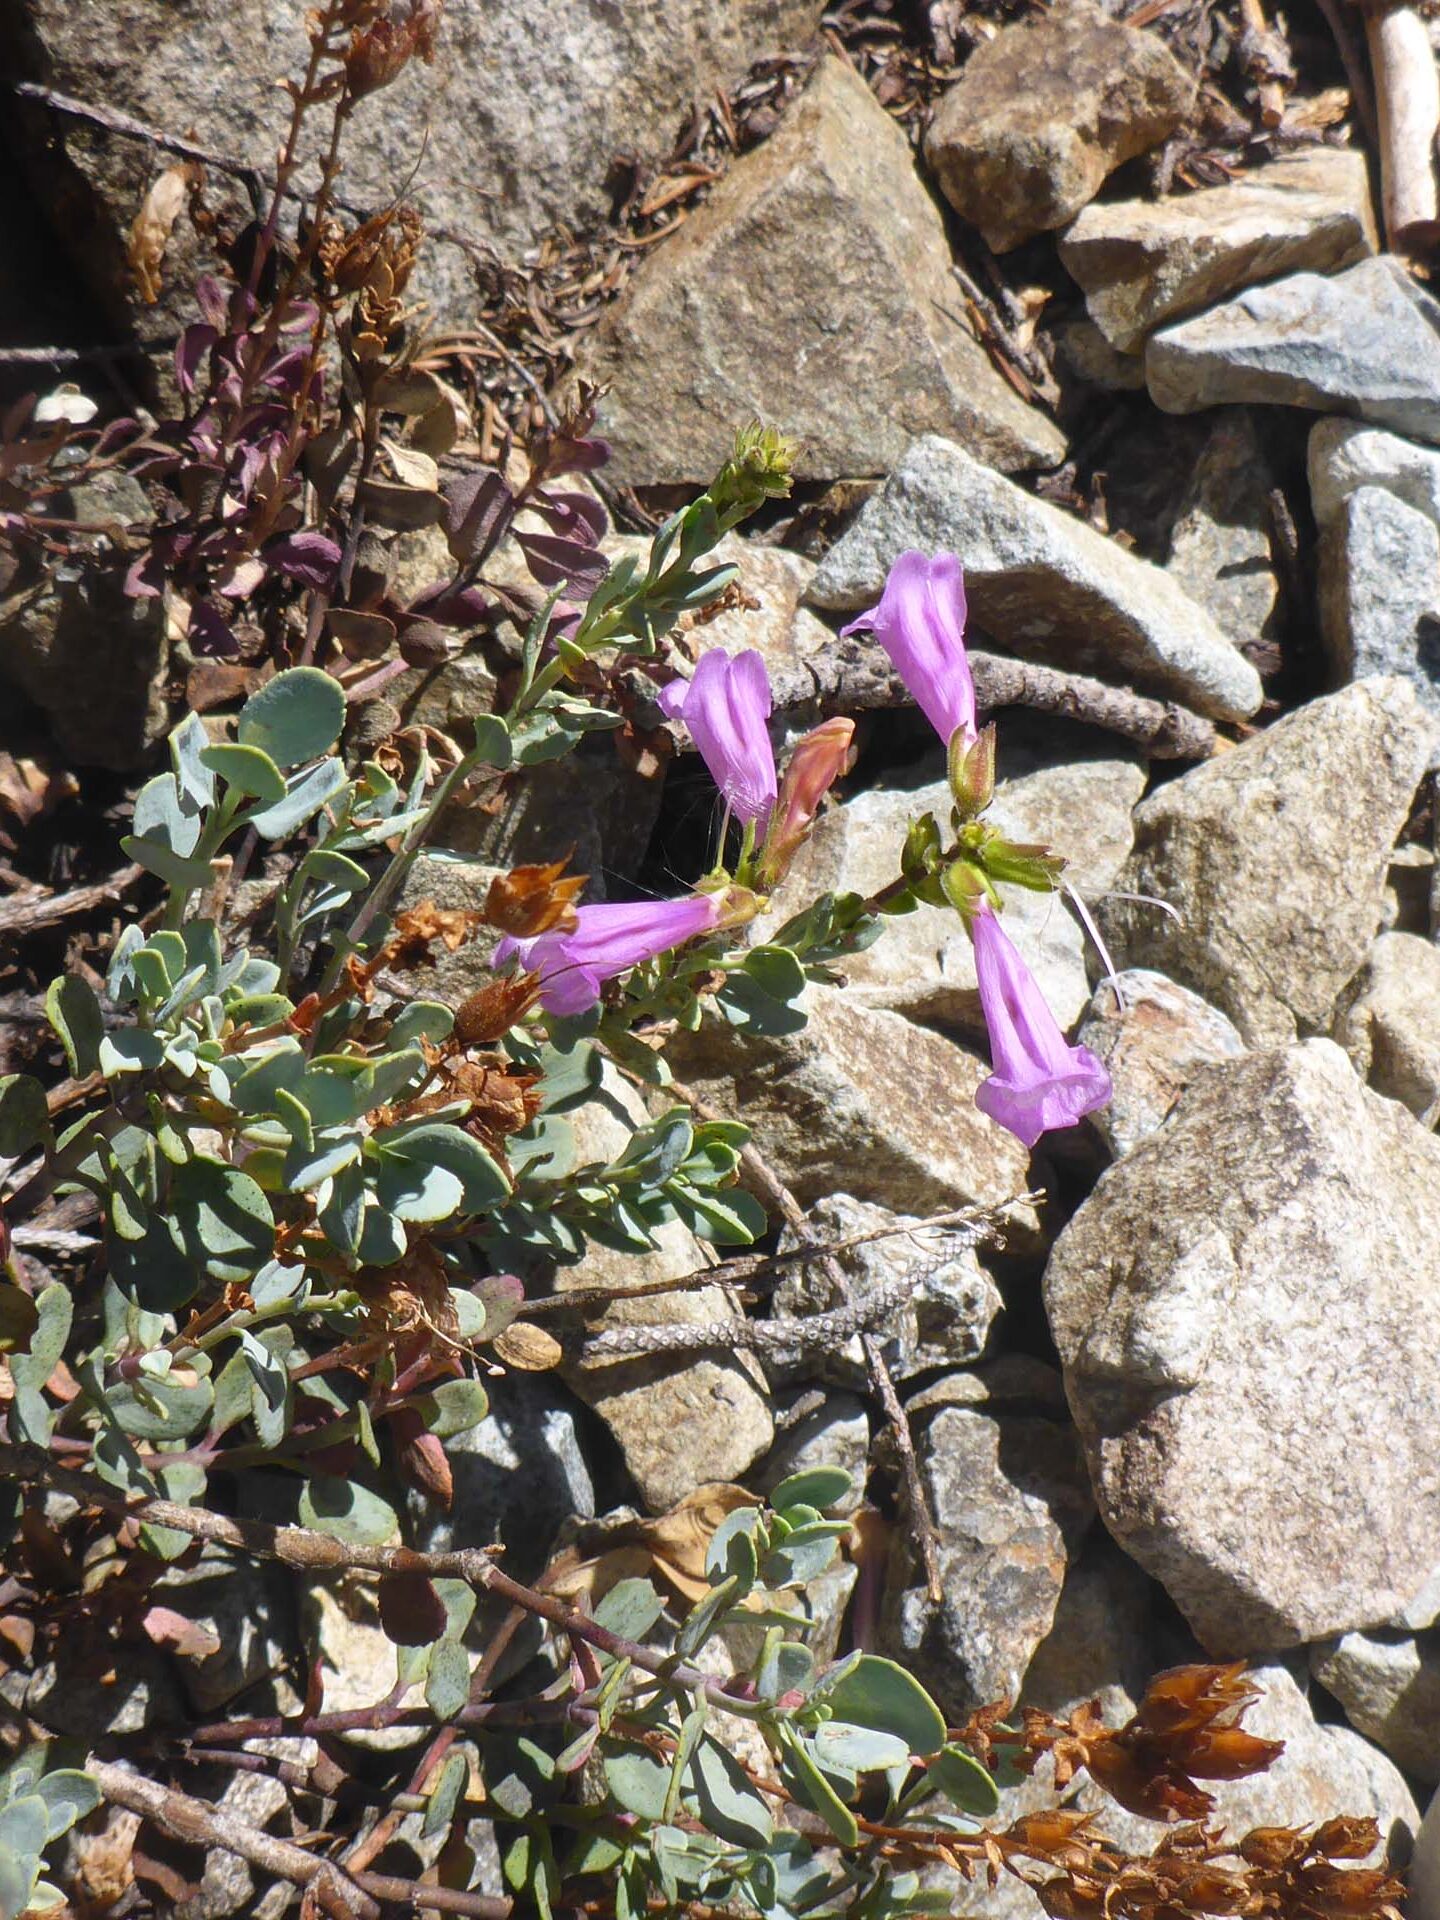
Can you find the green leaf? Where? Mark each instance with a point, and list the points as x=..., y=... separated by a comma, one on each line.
x=704, y=1617
x=877, y=1693
x=453, y=1407
x=447, y=1684
x=445, y=1796
x=492, y=740
x=188, y=743
x=18, y=1873
x=160, y=1409
x=728, y=1804
x=818, y=1487
x=295, y=717
x=483, y=1185
x=54, y=1312
x=347, y=1510
x=24, y=1117
x=963, y=1781
x=74, y=1012
x=859, y=1749
x=305, y=794
x=68, y=1795
x=221, y=1218
x=25, y=1824
x=815, y=1790
x=637, y=1780
x=249, y=770
x=135, y=1051
x=630, y=1608
x=421, y=1020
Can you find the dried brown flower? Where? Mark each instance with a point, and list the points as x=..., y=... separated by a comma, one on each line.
x=534, y=899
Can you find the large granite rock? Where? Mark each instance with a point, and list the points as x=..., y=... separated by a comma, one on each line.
x=923, y=964
x=1044, y=111
x=1389, y=1022
x=1345, y=454
x=814, y=286
x=1040, y=581
x=1143, y=263
x=514, y=129
x=1155, y=1038
x=860, y=1102
x=1273, y=859
x=1011, y=1505
x=1365, y=342
x=1244, y=1310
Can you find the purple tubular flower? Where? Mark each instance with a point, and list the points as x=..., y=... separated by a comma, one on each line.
x=920, y=622
x=1039, y=1082
x=725, y=707
x=607, y=940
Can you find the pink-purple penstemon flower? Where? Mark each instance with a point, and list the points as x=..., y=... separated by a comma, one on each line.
x=920, y=622
x=607, y=940
x=726, y=706
x=1039, y=1082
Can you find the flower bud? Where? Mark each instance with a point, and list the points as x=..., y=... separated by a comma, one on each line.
x=819, y=759
x=971, y=770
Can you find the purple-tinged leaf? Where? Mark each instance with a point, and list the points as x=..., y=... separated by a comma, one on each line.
x=574, y=516
x=113, y=434
x=310, y=557
x=580, y=569
x=190, y=349
x=300, y=315
x=458, y=607
x=211, y=636
x=285, y=372
x=478, y=509
x=212, y=297
x=577, y=456
x=145, y=579
x=240, y=579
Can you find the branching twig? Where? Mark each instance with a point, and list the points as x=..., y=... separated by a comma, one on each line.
x=31, y=911
x=790, y=1210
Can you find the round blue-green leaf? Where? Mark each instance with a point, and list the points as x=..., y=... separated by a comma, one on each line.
x=878, y=1693
x=68, y=1795
x=347, y=1510
x=728, y=1804
x=453, y=1407
x=447, y=1683
x=73, y=1011
x=249, y=769
x=24, y=1824
x=24, y=1117
x=818, y=1487
x=296, y=716
x=221, y=1218
x=483, y=1185
x=861, y=1749
x=961, y=1778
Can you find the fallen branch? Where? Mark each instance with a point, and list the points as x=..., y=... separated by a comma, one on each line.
x=31, y=911
x=1160, y=728
x=1407, y=99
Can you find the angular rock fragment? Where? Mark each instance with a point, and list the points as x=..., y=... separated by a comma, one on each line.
x=1379, y=592
x=1389, y=1686
x=1044, y=111
x=814, y=286
x=923, y=964
x=1243, y=1309
x=1219, y=543
x=1365, y=342
x=1011, y=1504
x=1389, y=1023
x=1143, y=263
x=1154, y=1037
x=1273, y=859
x=860, y=1102
x=1343, y=455
x=1039, y=581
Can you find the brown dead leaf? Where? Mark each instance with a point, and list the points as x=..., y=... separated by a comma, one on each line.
x=28, y=792
x=534, y=899
x=418, y=927
x=528, y=1348
x=188, y=1638
x=670, y=1549
x=491, y=1012
x=153, y=225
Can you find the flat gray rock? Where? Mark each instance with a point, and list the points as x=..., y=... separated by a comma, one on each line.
x=814, y=285
x=1365, y=342
x=1244, y=1311
x=1142, y=263
x=1342, y=455
x=1272, y=860
x=1379, y=592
